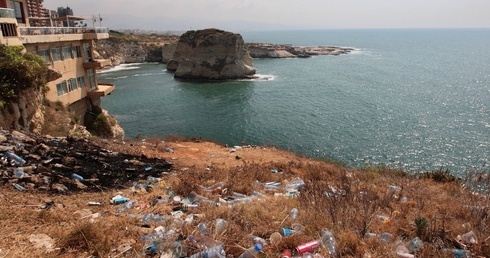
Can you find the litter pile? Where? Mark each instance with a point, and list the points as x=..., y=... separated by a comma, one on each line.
x=184, y=212
x=69, y=164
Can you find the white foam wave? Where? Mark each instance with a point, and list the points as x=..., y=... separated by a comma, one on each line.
x=121, y=67
x=261, y=77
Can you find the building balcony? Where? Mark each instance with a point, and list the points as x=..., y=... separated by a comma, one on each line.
x=102, y=90
x=7, y=13
x=30, y=35
x=97, y=63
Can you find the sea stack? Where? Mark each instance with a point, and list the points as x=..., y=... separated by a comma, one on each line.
x=211, y=54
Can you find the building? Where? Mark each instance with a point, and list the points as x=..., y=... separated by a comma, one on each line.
x=67, y=50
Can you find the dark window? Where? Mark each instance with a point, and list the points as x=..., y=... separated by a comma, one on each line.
x=44, y=53
x=66, y=53
x=72, y=84
x=56, y=54
x=9, y=29
x=18, y=10
x=61, y=88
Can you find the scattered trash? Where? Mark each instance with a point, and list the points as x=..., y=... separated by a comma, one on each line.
x=469, y=238
x=42, y=241
x=293, y=213
x=328, y=241
x=457, y=253
x=118, y=199
x=18, y=187
x=251, y=252
x=309, y=247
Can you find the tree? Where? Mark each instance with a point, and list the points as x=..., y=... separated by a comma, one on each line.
x=18, y=71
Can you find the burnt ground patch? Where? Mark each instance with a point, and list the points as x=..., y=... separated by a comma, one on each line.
x=52, y=164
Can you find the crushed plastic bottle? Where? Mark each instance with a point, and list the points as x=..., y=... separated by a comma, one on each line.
x=19, y=173
x=203, y=242
x=294, y=185
x=213, y=252
x=469, y=238
x=457, y=253
x=251, y=252
x=328, y=241
x=414, y=245
x=152, y=218
x=128, y=205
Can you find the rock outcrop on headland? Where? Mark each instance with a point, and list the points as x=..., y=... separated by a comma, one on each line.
x=211, y=54
x=265, y=50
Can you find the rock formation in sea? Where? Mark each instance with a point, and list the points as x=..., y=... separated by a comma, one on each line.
x=211, y=54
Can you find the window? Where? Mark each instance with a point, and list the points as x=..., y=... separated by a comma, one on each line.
x=56, y=54
x=86, y=52
x=44, y=53
x=77, y=51
x=9, y=29
x=19, y=14
x=72, y=84
x=81, y=81
x=66, y=53
x=91, y=79
x=61, y=88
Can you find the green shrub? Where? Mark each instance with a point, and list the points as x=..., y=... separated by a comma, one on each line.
x=98, y=124
x=19, y=71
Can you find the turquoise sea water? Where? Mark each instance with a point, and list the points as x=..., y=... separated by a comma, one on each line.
x=414, y=99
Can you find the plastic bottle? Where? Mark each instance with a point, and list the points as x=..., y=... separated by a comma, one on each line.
x=151, y=217
x=251, y=252
x=15, y=158
x=213, y=252
x=220, y=226
x=457, y=253
x=202, y=228
x=257, y=240
x=414, y=245
x=293, y=213
x=126, y=206
x=203, y=241
x=469, y=238
x=328, y=241
x=77, y=177
x=18, y=187
x=294, y=185
x=19, y=173
x=118, y=199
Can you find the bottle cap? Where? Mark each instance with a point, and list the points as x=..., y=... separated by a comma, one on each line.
x=258, y=247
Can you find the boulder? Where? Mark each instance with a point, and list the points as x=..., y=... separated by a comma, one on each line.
x=211, y=54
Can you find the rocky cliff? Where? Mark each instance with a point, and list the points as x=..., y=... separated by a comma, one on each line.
x=211, y=54
x=25, y=114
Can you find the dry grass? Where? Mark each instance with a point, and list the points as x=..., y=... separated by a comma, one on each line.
x=347, y=202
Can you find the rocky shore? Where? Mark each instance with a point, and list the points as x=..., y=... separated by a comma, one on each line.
x=265, y=50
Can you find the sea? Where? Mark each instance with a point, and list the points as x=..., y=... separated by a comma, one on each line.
x=411, y=99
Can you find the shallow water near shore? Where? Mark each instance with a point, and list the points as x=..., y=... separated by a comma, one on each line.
x=413, y=99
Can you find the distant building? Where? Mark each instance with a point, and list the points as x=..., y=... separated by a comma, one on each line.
x=66, y=50
x=63, y=12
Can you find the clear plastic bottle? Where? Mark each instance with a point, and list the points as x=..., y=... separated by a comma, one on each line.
x=457, y=253
x=293, y=213
x=213, y=252
x=414, y=245
x=126, y=206
x=251, y=252
x=257, y=240
x=15, y=158
x=220, y=226
x=329, y=242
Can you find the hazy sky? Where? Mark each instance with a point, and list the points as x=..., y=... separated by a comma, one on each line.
x=282, y=14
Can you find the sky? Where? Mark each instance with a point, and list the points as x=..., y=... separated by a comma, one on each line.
x=168, y=15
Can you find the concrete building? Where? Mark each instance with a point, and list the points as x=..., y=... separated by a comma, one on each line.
x=66, y=50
